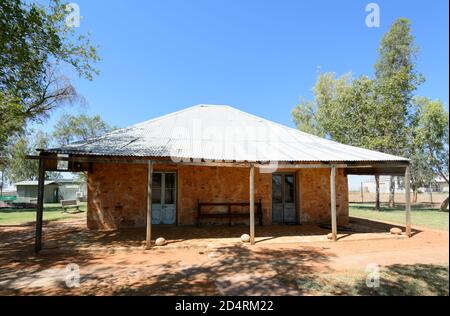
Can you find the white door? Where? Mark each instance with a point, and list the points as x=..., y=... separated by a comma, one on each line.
x=164, y=198
x=283, y=198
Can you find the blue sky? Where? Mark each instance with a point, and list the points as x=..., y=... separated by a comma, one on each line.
x=260, y=56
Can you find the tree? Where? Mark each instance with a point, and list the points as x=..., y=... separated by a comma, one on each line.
x=18, y=167
x=432, y=135
x=305, y=118
x=396, y=79
x=35, y=44
x=371, y=113
x=339, y=110
x=71, y=128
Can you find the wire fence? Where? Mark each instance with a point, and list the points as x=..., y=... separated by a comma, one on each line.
x=432, y=198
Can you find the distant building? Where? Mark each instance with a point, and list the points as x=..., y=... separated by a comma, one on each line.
x=369, y=185
x=439, y=185
x=54, y=190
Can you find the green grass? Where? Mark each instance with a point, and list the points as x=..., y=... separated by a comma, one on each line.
x=52, y=212
x=395, y=280
x=421, y=215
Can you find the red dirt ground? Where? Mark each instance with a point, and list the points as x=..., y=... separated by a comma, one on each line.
x=218, y=268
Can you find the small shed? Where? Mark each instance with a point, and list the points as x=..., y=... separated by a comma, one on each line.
x=54, y=190
x=28, y=190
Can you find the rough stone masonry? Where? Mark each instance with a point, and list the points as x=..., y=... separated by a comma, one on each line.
x=117, y=193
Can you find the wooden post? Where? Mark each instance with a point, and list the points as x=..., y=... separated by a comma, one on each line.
x=408, y=200
x=252, y=205
x=333, y=203
x=40, y=206
x=431, y=195
x=377, y=192
x=148, y=243
x=362, y=193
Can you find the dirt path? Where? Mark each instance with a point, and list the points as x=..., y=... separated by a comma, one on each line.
x=415, y=266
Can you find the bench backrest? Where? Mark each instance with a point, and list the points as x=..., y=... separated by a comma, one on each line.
x=68, y=202
x=258, y=205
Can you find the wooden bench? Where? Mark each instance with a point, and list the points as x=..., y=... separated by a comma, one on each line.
x=70, y=204
x=230, y=214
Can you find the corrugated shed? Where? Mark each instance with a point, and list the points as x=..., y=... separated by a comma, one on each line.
x=32, y=182
x=220, y=132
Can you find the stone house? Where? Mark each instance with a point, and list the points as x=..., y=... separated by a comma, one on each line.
x=165, y=167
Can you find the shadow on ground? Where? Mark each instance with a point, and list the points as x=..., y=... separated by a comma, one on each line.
x=236, y=271
x=403, y=280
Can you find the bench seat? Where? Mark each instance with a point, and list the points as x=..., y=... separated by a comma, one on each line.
x=230, y=213
x=65, y=204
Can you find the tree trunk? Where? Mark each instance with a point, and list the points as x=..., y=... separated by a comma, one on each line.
x=444, y=205
x=392, y=192
x=377, y=192
x=431, y=195
x=415, y=193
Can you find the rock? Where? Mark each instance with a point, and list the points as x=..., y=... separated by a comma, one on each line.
x=330, y=236
x=396, y=231
x=51, y=244
x=160, y=241
x=245, y=238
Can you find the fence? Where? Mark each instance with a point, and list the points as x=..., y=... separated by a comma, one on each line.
x=434, y=198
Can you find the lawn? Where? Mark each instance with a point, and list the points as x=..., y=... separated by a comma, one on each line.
x=52, y=212
x=421, y=216
x=396, y=279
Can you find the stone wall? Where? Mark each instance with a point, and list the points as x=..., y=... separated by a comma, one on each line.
x=117, y=196
x=117, y=193
x=314, y=192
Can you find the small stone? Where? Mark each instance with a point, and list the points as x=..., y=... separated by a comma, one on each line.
x=160, y=241
x=51, y=244
x=330, y=236
x=396, y=231
x=245, y=238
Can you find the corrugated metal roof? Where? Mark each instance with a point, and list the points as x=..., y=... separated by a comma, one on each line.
x=31, y=182
x=220, y=132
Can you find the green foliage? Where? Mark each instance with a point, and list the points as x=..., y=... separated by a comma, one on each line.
x=34, y=44
x=70, y=128
x=11, y=122
x=305, y=118
x=398, y=52
x=396, y=79
x=340, y=110
x=382, y=113
x=432, y=134
x=20, y=168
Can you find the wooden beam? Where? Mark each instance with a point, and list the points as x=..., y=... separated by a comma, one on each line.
x=40, y=207
x=394, y=168
x=148, y=243
x=408, y=201
x=252, y=205
x=300, y=166
x=333, y=204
